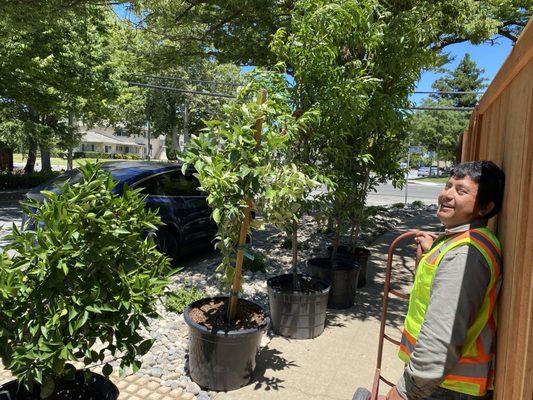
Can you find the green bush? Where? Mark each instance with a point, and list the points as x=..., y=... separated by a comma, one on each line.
x=19, y=180
x=418, y=203
x=398, y=205
x=254, y=261
x=126, y=156
x=179, y=300
x=91, y=154
x=87, y=272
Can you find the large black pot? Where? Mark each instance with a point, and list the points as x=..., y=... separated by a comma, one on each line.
x=98, y=386
x=343, y=280
x=221, y=359
x=360, y=255
x=298, y=314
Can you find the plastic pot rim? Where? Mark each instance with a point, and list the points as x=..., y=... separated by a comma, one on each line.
x=327, y=259
x=295, y=292
x=222, y=332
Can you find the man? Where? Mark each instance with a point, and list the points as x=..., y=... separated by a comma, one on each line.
x=448, y=343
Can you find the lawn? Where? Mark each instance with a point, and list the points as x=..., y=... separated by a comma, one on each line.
x=18, y=158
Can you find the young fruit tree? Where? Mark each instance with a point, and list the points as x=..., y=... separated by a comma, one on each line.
x=84, y=271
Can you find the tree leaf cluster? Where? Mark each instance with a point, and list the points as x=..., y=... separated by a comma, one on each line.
x=86, y=271
x=240, y=166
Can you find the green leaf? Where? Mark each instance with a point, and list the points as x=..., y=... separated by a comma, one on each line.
x=47, y=388
x=107, y=370
x=216, y=215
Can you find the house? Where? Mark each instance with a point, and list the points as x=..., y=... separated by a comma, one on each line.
x=104, y=140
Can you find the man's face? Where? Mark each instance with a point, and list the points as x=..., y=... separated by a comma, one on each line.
x=457, y=202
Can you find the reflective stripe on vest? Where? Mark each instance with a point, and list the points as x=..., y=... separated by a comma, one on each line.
x=474, y=371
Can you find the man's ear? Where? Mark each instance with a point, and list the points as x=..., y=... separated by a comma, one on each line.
x=486, y=209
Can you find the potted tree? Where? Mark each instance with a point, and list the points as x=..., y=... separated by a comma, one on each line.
x=77, y=288
x=237, y=160
x=297, y=302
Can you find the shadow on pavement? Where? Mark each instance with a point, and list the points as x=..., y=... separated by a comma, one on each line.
x=269, y=359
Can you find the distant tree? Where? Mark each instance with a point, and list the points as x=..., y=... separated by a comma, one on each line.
x=467, y=77
x=439, y=130
x=54, y=66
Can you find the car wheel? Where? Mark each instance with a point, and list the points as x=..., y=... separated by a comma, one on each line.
x=168, y=244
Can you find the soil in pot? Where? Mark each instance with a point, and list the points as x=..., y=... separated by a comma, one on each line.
x=298, y=311
x=361, y=255
x=343, y=280
x=222, y=357
x=97, y=388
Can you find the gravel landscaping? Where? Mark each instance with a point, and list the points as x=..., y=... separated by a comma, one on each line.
x=167, y=360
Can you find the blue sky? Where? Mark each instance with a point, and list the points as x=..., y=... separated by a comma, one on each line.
x=488, y=57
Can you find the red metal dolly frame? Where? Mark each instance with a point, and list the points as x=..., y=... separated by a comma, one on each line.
x=361, y=393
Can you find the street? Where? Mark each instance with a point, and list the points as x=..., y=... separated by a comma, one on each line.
x=10, y=211
x=387, y=194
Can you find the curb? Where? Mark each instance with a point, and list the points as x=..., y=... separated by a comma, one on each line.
x=424, y=183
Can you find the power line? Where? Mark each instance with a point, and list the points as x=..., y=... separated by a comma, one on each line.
x=173, y=89
x=172, y=78
x=465, y=109
x=447, y=92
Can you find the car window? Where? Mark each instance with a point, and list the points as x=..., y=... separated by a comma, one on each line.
x=172, y=183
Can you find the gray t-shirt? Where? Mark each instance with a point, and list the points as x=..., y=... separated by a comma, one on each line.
x=457, y=294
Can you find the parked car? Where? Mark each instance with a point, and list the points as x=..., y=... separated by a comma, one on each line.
x=423, y=171
x=435, y=171
x=175, y=196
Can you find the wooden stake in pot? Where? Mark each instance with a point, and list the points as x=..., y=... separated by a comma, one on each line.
x=232, y=309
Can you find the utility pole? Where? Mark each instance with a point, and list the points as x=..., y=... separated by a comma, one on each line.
x=186, y=136
x=408, y=167
x=148, y=142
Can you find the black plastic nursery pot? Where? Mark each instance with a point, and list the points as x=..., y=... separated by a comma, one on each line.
x=361, y=255
x=222, y=359
x=97, y=387
x=343, y=280
x=298, y=314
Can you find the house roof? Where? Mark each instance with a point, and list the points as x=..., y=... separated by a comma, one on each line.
x=94, y=136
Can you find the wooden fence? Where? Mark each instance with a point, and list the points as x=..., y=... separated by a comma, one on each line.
x=501, y=130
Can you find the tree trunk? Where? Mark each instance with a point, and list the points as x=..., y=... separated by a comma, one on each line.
x=46, y=165
x=336, y=243
x=294, y=240
x=70, y=163
x=32, y=156
x=186, y=136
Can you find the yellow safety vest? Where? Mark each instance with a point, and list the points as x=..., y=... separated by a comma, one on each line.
x=474, y=373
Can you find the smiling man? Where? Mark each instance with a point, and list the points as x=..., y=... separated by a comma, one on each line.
x=448, y=342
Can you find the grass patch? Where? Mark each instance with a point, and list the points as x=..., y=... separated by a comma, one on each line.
x=17, y=158
x=179, y=300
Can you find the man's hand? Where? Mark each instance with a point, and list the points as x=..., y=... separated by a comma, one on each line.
x=394, y=395
x=425, y=239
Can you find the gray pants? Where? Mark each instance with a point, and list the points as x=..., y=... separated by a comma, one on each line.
x=445, y=394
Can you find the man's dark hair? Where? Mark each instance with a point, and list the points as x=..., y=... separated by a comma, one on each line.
x=490, y=179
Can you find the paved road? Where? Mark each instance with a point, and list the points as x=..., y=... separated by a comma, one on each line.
x=10, y=211
x=387, y=194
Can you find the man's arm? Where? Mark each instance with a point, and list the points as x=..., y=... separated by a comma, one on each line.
x=457, y=294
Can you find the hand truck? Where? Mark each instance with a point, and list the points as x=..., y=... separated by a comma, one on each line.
x=362, y=393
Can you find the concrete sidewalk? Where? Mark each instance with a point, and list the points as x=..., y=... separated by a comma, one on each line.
x=343, y=358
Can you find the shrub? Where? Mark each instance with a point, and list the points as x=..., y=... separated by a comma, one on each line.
x=177, y=301
x=418, y=203
x=398, y=205
x=254, y=261
x=87, y=272
x=91, y=154
x=19, y=180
